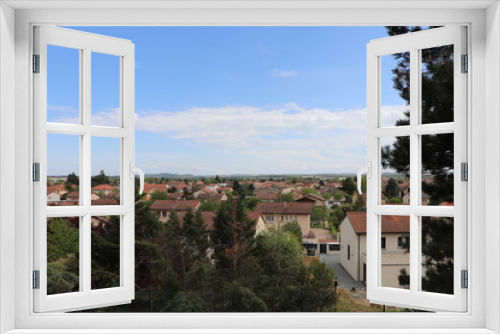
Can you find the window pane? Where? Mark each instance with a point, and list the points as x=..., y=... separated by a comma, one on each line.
x=395, y=90
x=437, y=85
x=395, y=256
x=395, y=173
x=63, y=166
x=437, y=254
x=437, y=169
x=105, y=180
x=63, y=85
x=105, y=90
x=63, y=249
x=105, y=252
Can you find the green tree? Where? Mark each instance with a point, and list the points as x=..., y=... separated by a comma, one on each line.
x=208, y=205
x=232, y=238
x=251, y=203
x=391, y=189
x=63, y=238
x=293, y=228
x=348, y=186
x=326, y=195
x=319, y=213
x=288, y=197
x=99, y=179
x=306, y=191
x=73, y=179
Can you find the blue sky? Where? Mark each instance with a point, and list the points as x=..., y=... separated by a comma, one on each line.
x=229, y=100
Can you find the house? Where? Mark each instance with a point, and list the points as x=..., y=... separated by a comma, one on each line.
x=162, y=207
x=73, y=196
x=216, y=198
x=283, y=212
x=53, y=197
x=317, y=200
x=150, y=188
x=260, y=225
x=58, y=189
x=395, y=231
x=105, y=189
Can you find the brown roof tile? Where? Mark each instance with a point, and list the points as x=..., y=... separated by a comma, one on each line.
x=285, y=207
x=168, y=205
x=390, y=224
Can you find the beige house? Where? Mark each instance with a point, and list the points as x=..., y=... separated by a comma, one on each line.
x=161, y=208
x=278, y=213
x=395, y=231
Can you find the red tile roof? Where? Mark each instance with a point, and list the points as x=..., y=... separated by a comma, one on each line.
x=285, y=207
x=103, y=187
x=390, y=224
x=73, y=195
x=168, y=205
x=254, y=215
x=105, y=201
x=150, y=187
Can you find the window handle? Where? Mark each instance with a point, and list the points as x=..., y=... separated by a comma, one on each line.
x=134, y=170
x=365, y=170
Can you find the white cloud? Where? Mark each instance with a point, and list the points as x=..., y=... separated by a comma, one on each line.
x=280, y=139
x=284, y=73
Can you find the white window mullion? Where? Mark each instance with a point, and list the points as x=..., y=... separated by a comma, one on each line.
x=415, y=103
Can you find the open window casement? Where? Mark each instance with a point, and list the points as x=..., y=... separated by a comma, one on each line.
x=109, y=229
x=429, y=147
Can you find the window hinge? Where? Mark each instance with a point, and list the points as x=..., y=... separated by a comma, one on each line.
x=36, y=63
x=36, y=279
x=36, y=172
x=464, y=171
x=465, y=279
x=465, y=64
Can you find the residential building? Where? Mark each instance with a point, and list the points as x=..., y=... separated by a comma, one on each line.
x=317, y=200
x=283, y=212
x=395, y=230
x=106, y=189
x=162, y=208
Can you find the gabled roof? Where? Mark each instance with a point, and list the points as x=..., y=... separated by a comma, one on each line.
x=285, y=207
x=74, y=194
x=390, y=224
x=168, y=205
x=150, y=187
x=103, y=187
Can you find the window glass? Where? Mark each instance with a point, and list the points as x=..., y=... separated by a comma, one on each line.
x=105, y=90
x=63, y=255
x=105, y=251
x=395, y=177
x=395, y=92
x=63, y=85
x=437, y=85
x=63, y=170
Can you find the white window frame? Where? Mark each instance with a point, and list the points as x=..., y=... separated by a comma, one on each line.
x=414, y=43
x=86, y=44
x=484, y=102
